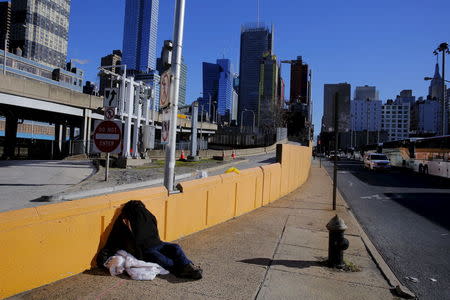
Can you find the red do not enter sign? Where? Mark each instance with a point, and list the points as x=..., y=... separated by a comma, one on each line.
x=108, y=136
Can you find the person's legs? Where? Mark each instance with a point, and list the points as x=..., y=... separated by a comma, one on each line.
x=183, y=267
x=155, y=255
x=175, y=253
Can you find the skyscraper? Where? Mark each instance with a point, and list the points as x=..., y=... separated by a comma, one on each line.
x=268, y=91
x=225, y=95
x=300, y=120
x=41, y=30
x=256, y=40
x=328, y=129
x=366, y=93
x=112, y=59
x=5, y=23
x=299, y=82
x=343, y=90
x=435, y=88
x=139, y=35
x=217, y=88
x=211, y=74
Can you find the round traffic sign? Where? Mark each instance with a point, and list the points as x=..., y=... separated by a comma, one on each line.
x=164, y=95
x=107, y=136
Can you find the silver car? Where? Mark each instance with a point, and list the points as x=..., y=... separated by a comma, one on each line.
x=376, y=161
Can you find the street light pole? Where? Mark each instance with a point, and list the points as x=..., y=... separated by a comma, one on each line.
x=254, y=117
x=443, y=47
x=336, y=145
x=169, y=174
x=242, y=114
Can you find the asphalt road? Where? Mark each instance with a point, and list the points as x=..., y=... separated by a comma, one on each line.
x=406, y=215
x=23, y=181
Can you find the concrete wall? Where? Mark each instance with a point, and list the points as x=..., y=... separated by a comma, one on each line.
x=43, y=244
x=161, y=154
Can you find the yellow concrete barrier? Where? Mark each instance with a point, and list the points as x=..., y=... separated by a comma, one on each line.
x=247, y=195
x=222, y=200
x=47, y=243
x=272, y=182
x=51, y=242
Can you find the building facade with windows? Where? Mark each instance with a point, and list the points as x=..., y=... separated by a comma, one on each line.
x=366, y=115
x=106, y=80
x=40, y=29
x=139, y=35
x=425, y=117
x=343, y=90
x=256, y=40
x=5, y=24
x=366, y=92
x=268, y=91
x=395, y=120
x=68, y=77
x=217, y=97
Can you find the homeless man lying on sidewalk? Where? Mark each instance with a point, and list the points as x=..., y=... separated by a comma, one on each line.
x=136, y=232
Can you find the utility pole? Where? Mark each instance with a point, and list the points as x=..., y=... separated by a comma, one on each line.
x=444, y=48
x=169, y=174
x=336, y=146
x=367, y=135
x=194, y=121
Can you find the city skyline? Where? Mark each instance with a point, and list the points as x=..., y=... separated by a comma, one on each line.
x=336, y=50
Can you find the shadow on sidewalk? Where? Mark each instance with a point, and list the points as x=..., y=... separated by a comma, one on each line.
x=300, y=264
x=104, y=272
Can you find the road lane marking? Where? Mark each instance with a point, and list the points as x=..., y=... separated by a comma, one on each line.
x=376, y=196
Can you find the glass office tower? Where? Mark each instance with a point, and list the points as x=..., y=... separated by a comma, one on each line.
x=217, y=85
x=139, y=35
x=256, y=40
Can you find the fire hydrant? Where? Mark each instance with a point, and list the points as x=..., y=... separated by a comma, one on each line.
x=337, y=242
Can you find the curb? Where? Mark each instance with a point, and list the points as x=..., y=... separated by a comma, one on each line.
x=120, y=188
x=396, y=286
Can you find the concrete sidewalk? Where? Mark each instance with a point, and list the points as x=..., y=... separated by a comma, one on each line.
x=275, y=252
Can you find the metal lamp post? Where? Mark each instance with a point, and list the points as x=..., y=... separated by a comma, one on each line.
x=169, y=174
x=211, y=116
x=242, y=124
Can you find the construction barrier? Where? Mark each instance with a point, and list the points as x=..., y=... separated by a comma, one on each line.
x=47, y=243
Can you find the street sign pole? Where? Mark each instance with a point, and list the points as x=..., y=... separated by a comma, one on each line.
x=336, y=145
x=107, y=167
x=129, y=118
x=169, y=174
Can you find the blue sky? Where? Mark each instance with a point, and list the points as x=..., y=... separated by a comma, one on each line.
x=384, y=43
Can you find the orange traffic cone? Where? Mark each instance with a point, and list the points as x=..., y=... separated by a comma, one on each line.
x=182, y=156
x=233, y=155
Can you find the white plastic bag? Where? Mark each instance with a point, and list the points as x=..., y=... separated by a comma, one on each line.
x=137, y=269
x=115, y=264
x=201, y=174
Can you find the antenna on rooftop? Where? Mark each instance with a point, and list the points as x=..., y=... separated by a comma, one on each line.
x=257, y=13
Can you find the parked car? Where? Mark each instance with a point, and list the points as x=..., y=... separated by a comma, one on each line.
x=376, y=161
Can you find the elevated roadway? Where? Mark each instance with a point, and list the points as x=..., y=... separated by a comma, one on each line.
x=29, y=99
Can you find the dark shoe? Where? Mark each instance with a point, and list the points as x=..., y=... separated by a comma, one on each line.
x=191, y=272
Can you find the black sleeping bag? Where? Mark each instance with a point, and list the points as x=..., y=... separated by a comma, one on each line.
x=144, y=232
